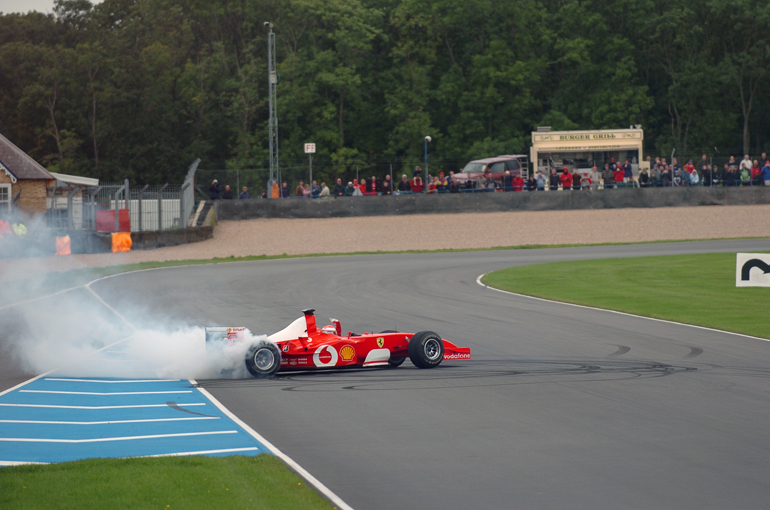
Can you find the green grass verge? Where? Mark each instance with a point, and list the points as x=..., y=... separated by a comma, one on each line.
x=694, y=289
x=190, y=483
x=31, y=287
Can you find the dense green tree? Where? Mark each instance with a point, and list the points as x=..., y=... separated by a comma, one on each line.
x=130, y=89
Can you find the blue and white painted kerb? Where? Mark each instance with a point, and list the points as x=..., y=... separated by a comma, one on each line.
x=57, y=419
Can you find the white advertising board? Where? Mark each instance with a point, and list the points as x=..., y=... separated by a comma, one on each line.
x=309, y=148
x=752, y=270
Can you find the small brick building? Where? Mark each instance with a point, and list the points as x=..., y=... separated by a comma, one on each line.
x=23, y=181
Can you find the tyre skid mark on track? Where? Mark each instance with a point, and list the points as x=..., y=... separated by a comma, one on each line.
x=694, y=352
x=622, y=349
x=515, y=372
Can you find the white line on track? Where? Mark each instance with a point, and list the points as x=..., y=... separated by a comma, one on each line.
x=175, y=454
x=205, y=452
x=108, y=439
x=110, y=382
x=102, y=394
x=49, y=406
x=320, y=487
x=113, y=422
x=478, y=280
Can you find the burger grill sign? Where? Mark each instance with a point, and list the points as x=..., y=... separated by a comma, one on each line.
x=752, y=270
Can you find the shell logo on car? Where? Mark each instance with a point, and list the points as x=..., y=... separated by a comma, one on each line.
x=325, y=356
x=347, y=353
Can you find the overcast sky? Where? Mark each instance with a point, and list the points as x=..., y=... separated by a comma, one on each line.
x=8, y=6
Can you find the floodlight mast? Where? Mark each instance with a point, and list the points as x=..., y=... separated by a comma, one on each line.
x=272, y=81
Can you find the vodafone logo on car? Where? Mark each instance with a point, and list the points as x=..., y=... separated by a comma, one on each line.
x=457, y=355
x=325, y=356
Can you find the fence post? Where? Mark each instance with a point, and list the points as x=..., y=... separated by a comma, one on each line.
x=160, y=207
x=92, y=206
x=117, y=193
x=70, y=216
x=141, y=199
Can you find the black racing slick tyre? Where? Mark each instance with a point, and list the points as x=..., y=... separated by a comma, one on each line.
x=426, y=349
x=394, y=362
x=263, y=359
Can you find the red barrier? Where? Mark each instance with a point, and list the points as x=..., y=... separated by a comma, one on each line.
x=105, y=220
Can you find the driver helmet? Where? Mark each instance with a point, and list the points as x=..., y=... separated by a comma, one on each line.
x=329, y=330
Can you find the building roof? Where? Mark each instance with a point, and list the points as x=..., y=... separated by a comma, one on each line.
x=19, y=164
x=76, y=180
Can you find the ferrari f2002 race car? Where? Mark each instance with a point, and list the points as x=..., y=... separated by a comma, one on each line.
x=303, y=346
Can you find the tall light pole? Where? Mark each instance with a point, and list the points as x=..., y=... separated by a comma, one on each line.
x=272, y=81
x=427, y=140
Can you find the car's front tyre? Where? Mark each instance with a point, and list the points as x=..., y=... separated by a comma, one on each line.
x=263, y=359
x=426, y=349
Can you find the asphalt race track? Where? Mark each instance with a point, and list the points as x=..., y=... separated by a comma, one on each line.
x=561, y=407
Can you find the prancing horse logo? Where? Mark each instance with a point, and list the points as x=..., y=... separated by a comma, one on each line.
x=380, y=342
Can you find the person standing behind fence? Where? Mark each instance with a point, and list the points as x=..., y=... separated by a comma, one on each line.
x=214, y=190
x=300, y=189
x=540, y=180
x=507, y=181
x=315, y=189
x=628, y=173
x=244, y=194
x=694, y=179
x=608, y=177
x=339, y=189
x=531, y=183
x=766, y=173
x=324, y=190
x=228, y=194
x=403, y=185
x=566, y=179
x=284, y=189
x=387, y=186
x=576, y=180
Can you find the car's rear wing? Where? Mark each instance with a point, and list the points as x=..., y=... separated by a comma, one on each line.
x=225, y=334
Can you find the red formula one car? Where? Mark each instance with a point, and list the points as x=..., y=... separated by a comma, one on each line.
x=302, y=346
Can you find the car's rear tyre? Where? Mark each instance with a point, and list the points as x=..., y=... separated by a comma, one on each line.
x=426, y=349
x=394, y=362
x=263, y=359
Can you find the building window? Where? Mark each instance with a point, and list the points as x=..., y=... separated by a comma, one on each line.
x=5, y=197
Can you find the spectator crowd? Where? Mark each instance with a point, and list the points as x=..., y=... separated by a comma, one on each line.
x=661, y=173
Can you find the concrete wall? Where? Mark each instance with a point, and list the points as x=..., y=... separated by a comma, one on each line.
x=488, y=202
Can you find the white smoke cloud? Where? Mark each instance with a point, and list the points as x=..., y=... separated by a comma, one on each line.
x=73, y=332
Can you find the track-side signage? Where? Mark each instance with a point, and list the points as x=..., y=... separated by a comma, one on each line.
x=752, y=270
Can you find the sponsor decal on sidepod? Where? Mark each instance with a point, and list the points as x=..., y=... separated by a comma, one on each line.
x=347, y=353
x=325, y=356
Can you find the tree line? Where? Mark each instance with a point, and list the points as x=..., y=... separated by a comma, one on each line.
x=138, y=89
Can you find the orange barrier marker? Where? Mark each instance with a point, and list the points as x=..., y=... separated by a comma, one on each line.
x=121, y=241
x=63, y=245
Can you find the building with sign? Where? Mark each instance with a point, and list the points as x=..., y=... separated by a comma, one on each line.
x=585, y=149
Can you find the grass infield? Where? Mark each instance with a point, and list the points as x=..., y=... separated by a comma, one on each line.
x=236, y=482
x=694, y=289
